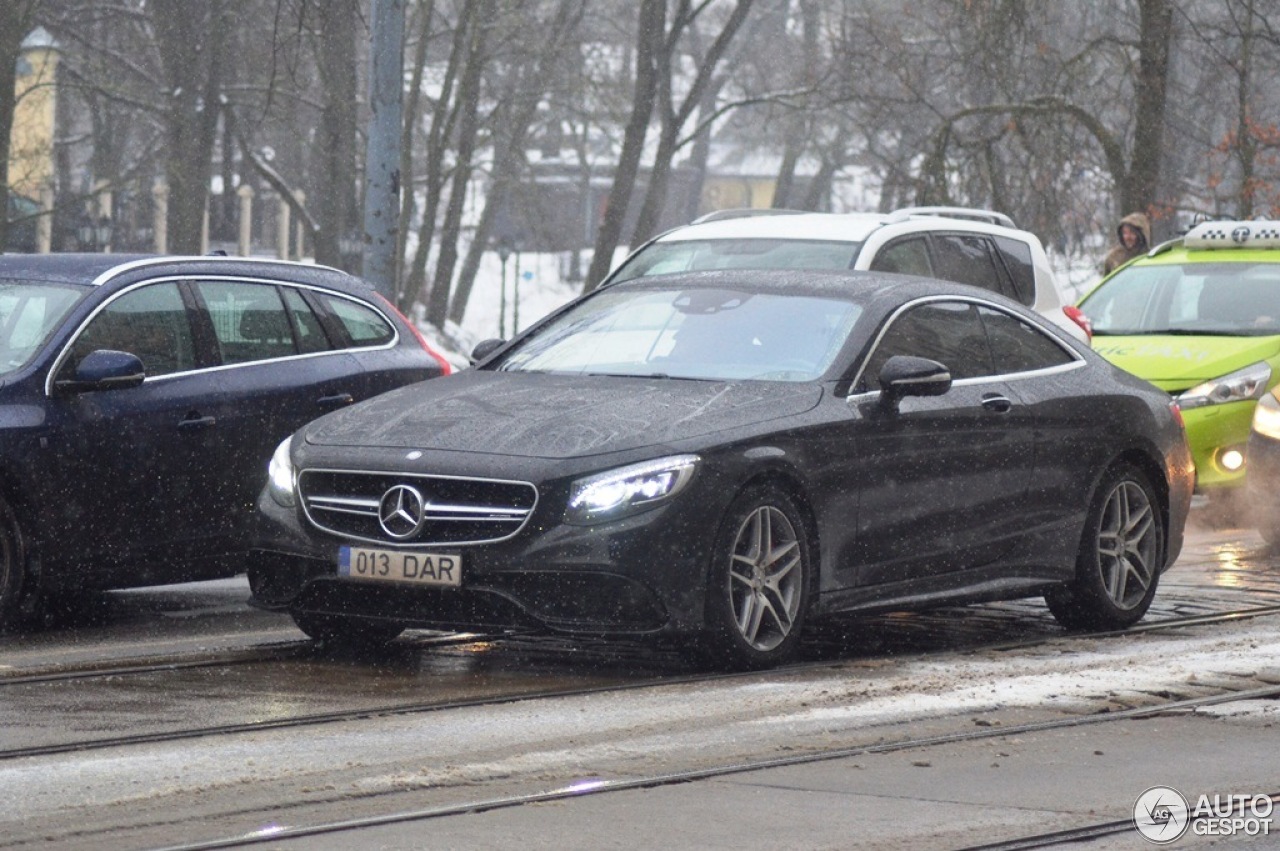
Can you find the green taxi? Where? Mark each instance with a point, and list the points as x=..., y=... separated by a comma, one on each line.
x=1199, y=317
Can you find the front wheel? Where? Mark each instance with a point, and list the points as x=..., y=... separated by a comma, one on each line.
x=343, y=631
x=1120, y=558
x=758, y=592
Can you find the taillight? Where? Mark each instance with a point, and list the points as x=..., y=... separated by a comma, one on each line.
x=1077, y=316
x=445, y=367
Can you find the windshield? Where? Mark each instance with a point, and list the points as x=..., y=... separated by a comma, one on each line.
x=696, y=255
x=714, y=334
x=28, y=314
x=1225, y=299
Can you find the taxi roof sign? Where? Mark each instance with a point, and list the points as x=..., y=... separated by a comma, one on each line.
x=1234, y=234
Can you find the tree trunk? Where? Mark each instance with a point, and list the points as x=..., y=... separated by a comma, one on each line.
x=335, y=199
x=404, y=295
x=674, y=119
x=1140, y=189
x=468, y=130
x=192, y=40
x=444, y=117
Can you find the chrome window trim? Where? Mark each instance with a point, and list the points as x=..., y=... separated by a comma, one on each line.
x=144, y=262
x=1077, y=360
x=383, y=542
x=221, y=277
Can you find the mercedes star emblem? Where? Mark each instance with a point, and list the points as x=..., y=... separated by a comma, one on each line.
x=400, y=512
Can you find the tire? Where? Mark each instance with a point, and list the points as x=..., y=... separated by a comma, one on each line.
x=344, y=631
x=758, y=588
x=1120, y=558
x=12, y=569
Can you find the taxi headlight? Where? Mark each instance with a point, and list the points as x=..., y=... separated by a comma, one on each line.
x=628, y=490
x=280, y=475
x=1248, y=383
x=1266, y=417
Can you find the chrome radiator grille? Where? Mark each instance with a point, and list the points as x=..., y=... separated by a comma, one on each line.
x=405, y=509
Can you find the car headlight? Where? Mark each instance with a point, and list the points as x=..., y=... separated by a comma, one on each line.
x=1248, y=383
x=1266, y=417
x=280, y=475
x=628, y=490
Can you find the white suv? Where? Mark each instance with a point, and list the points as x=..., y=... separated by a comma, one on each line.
x=974, y=247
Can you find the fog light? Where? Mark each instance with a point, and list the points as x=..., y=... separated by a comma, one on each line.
x=1231, y=460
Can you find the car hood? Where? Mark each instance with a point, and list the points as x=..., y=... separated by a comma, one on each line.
x=556, y=416
x=1175, y=362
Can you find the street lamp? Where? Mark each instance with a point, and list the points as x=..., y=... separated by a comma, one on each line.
x=504, y=254
x=351, y=249
x=94, y=234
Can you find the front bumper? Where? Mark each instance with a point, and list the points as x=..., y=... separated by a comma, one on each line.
x=1213, y=431
x=643, y=575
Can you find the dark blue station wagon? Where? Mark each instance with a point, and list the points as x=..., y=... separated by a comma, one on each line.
x=141, y=397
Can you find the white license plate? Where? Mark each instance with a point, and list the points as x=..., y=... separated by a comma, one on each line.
x=396, y=566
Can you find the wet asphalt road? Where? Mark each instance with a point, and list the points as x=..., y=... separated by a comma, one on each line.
x=873, y=678
x=1222, y=567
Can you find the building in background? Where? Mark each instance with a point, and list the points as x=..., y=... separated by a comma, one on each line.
x=31, y=163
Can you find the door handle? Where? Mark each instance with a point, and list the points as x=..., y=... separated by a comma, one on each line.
x=337, y=400
x=996, y=402
x=195, y=422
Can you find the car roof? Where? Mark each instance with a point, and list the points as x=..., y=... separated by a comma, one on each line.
x=834, y=227
x=841, y=227
x=98, y=269
x=83, y=269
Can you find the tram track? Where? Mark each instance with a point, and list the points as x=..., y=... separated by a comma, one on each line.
x=658, y=780
x=444, y=703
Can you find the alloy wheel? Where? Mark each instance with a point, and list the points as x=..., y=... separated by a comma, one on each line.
x=1127, y=544
x=766, y=578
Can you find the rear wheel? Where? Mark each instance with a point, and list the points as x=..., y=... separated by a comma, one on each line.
x=1120, y=558
x=758, y=592
x=344, y=631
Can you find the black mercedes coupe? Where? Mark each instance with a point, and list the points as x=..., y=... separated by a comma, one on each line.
x=723, y=457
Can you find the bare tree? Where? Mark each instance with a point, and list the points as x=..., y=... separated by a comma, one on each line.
x=529, y=69
x=192, y=40
x=336, y=202
x=650, y=43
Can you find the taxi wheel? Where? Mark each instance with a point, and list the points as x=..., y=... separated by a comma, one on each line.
x=758, y=592
x=11, y=568
x=1120, y=558
x=343, y=631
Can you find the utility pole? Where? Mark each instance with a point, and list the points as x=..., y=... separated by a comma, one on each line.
x=382, y=152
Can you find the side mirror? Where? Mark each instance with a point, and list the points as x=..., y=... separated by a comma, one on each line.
x=904, y=375
x=484, y=348
x=104, y=369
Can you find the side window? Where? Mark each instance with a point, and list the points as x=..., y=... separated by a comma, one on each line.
x=906, y=256
x=966, y=259
x=310, y=333
x=363, y=325
x=948, y=332
x=1017, y=346
x=150, y=322
x=249, y=321
x=1017, y=259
